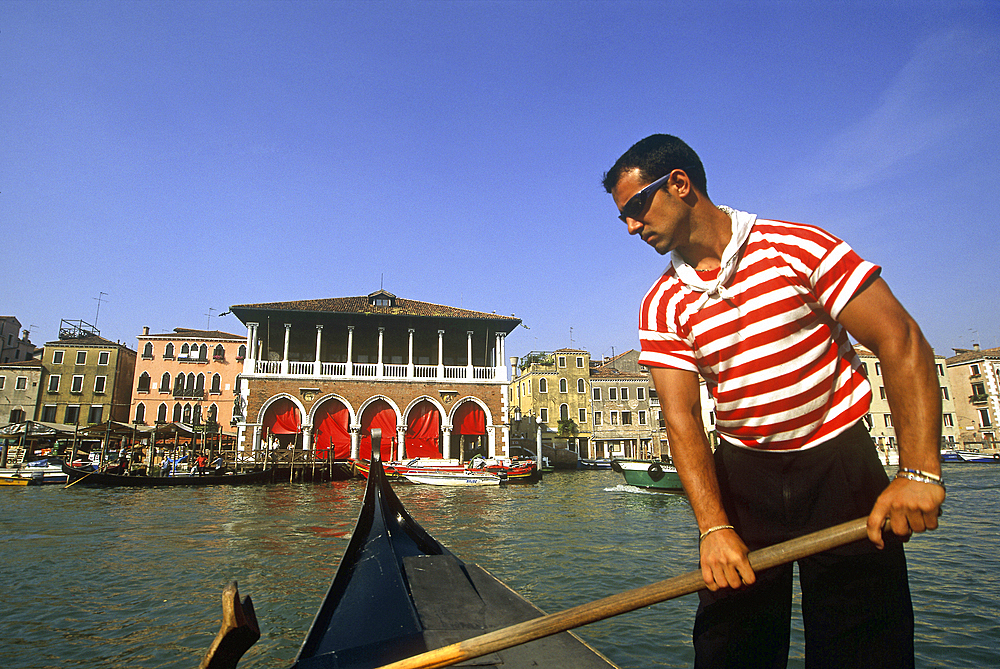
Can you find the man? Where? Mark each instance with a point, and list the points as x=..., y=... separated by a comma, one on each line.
x=762, y=309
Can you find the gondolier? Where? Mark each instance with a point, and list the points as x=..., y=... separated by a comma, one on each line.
x=762, y=310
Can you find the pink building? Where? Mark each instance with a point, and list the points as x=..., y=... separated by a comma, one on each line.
x=187, y=376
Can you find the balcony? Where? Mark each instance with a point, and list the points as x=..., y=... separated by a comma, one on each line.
x=189, y=393
x=979, y=398
x=360, y=370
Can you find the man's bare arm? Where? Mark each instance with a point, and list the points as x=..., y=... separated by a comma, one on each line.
x=724, y=560
x=878, y=321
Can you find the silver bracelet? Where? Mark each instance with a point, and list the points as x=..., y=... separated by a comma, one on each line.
x=713, y=529
x=921, y=472
x=919, y=479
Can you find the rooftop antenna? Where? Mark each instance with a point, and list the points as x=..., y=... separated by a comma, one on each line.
x=571, y=335
x=99, y=298
x=381, y=281
x=209, y=314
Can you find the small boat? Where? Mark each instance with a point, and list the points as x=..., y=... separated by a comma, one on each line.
x=649, y=475
x=463, y=478
x=45, y=471
x=978, y=456
x=950, y=455
x=594, y=463
x=399, y=592
x=510, y=470
x=20, y=480
x=396, y=470
x=95, y=478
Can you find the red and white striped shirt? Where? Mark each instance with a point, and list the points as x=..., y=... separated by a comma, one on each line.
x=780, y=367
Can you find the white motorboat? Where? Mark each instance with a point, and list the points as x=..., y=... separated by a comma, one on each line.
x=441, y=477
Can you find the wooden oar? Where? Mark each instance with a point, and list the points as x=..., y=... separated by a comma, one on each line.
x=238, y=632
x=623, y=602
x=79, y=479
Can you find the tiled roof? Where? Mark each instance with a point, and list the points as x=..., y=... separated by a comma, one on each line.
x=967, y=355
x=605, y=372
x=85, y=341
x=362, y=305
x=186, y=333
x=22, y=363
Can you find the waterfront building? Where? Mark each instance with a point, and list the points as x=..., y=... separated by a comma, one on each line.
x=616, y=409
x=551, y=391
x=321, y=374
x=85, y=379
x=879, y=419
x=19, y=385
x=187, y=376
x=14, y=344
x=975, y=378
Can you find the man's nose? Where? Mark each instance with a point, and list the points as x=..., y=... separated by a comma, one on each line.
x=634, y=225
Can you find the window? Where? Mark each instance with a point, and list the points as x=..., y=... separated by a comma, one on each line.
x=624, y=394
x=948, y=420
x=242, y=353
x=562, y=361
x=579, y=362
x=984, y=418
x=185, y=349
x=878, y=369
x=147, y=351
x=865, y=365
x=72, y=416
x=177, y=413
x=3, y=382
x=49, y=413
x=213, y=414
x=614, y=417
x=202, y=352
x=77, y=386
x=626, y=417
x=216, y=384
x=104, y=357
x=179, y=385
x=944, y=393
x=597, y=393
x=168, y=351
x=22, y=382
x=581, y=387
x=53, y=383
x=881, y=392
x=598, y=419
x=200, y=385
x=219, y=353
x=143, y=385
x=612, y=394
x=57, y=357
x=543, y=386
x=100, y=383
x=140, y=413
x=940, y=369
x=642, y=418
x=165, y=382
x=543, y=413
x=583, y=416
x=96, y=414
x=161, y=413
x=563, y=386
x=640, y=393
x=888, y=420
x=563, y=412
x=16, y=416
x=974, y=370
x=81, y=357
x=186, y=417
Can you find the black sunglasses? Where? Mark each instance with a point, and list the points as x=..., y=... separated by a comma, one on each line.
x=637, y=202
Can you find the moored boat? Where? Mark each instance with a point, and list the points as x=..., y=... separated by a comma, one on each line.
x=95, y=478
x=463, y=478
x=19, y=480
x=44, y=471
x=978, y=456
x=649, y=475
x=594, y=463
x=399, y=592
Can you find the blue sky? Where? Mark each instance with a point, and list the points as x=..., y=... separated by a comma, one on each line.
x=182, y=157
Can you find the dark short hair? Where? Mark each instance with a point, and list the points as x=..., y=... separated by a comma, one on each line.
x=655, y=156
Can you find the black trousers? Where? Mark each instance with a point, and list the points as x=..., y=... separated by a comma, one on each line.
x=855, y=599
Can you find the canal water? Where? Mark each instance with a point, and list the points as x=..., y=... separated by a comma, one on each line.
x=132, y=578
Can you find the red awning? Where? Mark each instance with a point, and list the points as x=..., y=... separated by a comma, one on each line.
x=282, y=417
x=332, y=431
x=378, y=415
x=470, y=419
x=423, y=432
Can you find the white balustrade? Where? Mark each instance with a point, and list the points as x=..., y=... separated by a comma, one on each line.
x=425, y=371
x=394, y=371
x=334, y=369
x=364, y=369
x=370, y=370
x=456, y=372
x=300, y=368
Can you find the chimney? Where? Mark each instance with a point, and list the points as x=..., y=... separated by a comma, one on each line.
x=145, y=330
x=975, y=347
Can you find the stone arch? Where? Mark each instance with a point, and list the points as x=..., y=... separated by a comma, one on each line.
x=483, y=442
x=289, y=438
x=331, y=419
x=375, y=412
